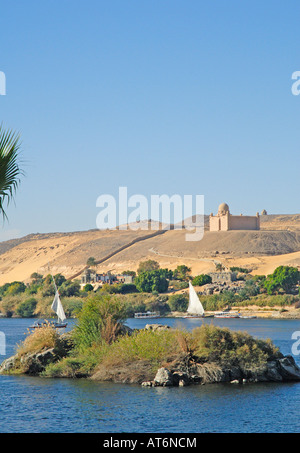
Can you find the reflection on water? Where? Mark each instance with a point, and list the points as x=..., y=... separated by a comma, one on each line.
x=30, y=404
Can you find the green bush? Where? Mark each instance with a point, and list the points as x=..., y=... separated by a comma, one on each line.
x=4, y=288
x=26, y=309
x=201, y=280
x=230, y=348
x=182, y=272
x=146, y=345
x=88, y=287
x=178, y=302
x=127, y=288
x=118, y=288
x=152, y=281
x=36, y=278
x=178, y=284
x=91, y=261
x=48, y=288
x=69, y=288
x=15, y=288
x=32, y=289
x=284, y=277
x=100, y=320
x=242, y=270
x=250, y=289
x=146, y=266
x=72, y=306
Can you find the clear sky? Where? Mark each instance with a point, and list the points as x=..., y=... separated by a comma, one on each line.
x=161, y=96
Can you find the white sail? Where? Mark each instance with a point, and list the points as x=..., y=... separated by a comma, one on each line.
x=58, y=308
x=195, y=307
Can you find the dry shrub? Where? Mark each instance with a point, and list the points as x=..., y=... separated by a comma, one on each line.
x=110, y=330
x=129, y=373
x=183, y=340
x=40, y=339
x=209, y=372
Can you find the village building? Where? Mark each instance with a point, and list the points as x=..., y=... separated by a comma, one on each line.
x=224, y=221
x=222, y=277
x=90, y=276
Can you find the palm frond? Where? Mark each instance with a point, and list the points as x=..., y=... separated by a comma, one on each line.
x=10, y=171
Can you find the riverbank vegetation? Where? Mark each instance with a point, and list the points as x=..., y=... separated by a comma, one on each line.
x=154, y=289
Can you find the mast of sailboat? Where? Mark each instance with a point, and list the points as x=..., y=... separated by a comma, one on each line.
x=54, y=283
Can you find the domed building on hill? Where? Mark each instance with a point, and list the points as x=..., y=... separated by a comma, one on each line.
x=224, y=221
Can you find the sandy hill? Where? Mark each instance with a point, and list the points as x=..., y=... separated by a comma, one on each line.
x=277, y=243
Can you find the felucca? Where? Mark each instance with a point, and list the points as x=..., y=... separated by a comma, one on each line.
x=195, y=308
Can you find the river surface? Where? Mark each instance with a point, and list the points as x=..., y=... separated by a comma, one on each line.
x=32, y=404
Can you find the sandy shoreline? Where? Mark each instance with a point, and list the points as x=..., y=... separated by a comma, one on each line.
x=265, y=312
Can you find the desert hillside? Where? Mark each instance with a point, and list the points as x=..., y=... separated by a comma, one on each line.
x=278, y=242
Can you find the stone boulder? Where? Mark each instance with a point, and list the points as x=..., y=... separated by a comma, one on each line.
x=8, y=364
x=288, y=369
x=181, y=379
x=164, y=378
x=65, y=344
x=278, y=370
x=36, y=363
x=272, y=373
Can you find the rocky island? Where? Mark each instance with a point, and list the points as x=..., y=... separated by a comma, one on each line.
x=102, y=348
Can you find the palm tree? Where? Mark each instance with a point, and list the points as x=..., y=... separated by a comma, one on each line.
x=10, y=171
x=91, y=262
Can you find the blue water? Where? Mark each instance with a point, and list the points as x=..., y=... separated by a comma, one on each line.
x=30, y=404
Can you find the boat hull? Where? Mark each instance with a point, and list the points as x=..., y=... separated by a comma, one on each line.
x=227, y=317
x=56, y=325
x=200, y=316
x=147, y=315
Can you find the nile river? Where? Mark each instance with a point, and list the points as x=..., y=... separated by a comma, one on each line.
x=30, y=404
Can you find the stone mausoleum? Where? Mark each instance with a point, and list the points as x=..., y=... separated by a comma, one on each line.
x=224, y=221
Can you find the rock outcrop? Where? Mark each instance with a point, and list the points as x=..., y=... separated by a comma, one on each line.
x=31, y=363
x=164, y=378
x=34, y=363
x=187, y=371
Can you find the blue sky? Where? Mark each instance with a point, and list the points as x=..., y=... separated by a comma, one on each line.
x=161, y=96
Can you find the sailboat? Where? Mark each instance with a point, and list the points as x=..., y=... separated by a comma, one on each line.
x=195, y=308
x=58, y=309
